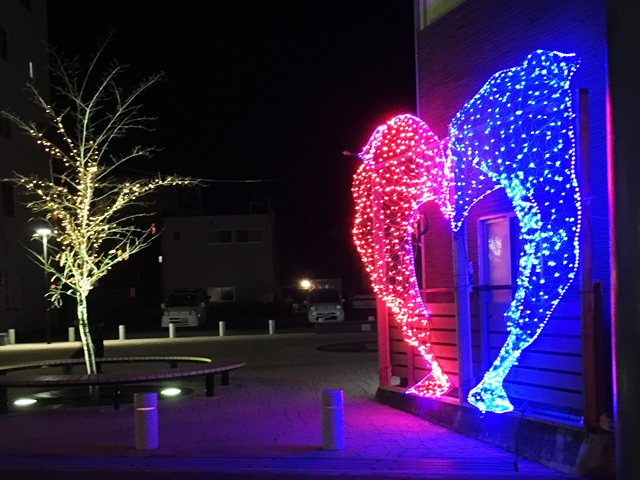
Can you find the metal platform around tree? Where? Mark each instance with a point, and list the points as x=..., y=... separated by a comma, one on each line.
x=205, y=366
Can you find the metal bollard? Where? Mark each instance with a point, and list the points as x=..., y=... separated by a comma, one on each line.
x=221, y=328
x=12, y=336
x=146, y=413
x=172, y=330
x=332, y=420
x=122, y=332
x=72, y=334
x=272, y=327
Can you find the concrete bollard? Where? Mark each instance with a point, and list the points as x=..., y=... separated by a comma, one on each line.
x=122, y=332
x=72, y=334
x=172, y=330
x=94, y=393
x=146, y=405
x=332, y=420
x=12, y=336
x=222, y=328
x=272, y=327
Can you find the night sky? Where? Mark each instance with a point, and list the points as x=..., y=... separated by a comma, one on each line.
x=272, y=91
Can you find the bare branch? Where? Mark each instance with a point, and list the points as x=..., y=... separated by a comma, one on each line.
x=81, y=198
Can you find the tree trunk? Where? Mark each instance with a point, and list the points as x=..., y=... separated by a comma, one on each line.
x=85, y=336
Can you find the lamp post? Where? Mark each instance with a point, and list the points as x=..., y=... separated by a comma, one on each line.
x=44, y=233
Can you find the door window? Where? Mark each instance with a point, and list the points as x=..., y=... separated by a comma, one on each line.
x=500, y=250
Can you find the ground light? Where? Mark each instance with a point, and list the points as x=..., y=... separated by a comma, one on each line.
x=23, y=402
x=305, y=284
x=170, y=392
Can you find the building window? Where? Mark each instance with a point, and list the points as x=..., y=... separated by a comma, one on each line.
x=221, y=294
x=5, y=127
x=4, y=47
x=26, y=4
x=499, y=239
x=249, y=236
x=8, y=203
x=215, y=237
x=431, y=10
x=12, y=292
x=177, y=235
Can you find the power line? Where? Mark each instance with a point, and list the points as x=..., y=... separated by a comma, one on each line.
x=263, y=180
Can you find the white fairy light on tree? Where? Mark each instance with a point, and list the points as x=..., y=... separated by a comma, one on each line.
x=81, y=198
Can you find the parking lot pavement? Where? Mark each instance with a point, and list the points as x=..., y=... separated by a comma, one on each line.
x=266, y=422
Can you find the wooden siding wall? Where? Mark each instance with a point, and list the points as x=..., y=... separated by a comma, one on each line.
x=548, y=375
x=443, y=336
x=549, y=372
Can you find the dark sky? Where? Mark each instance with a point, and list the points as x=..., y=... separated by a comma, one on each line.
x=261, y=90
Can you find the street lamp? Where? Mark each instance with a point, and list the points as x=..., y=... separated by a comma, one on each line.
x=44, y=233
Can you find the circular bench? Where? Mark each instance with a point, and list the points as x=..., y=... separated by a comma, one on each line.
x=205, y=366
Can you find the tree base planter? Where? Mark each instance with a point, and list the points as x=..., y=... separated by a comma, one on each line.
x=206, y=367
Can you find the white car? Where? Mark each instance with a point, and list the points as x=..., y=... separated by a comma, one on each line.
x=325, y=305
x=185, y=308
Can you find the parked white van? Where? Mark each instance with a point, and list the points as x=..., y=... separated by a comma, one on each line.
x=325, y=305
x=185, y=308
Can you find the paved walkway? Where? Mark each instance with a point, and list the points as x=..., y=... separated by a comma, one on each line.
x=265, y=424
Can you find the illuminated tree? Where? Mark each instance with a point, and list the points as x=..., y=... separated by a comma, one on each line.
x=81, y=197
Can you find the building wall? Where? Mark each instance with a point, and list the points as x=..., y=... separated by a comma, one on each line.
x=189, y=261
x=460, y=51
x=22, y=304
x=437, y=256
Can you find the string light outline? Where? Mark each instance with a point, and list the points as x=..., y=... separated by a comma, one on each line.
x=489, y=395
x=404, y=166
x=543, y=241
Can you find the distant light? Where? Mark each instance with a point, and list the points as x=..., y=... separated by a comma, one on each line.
x=159, y=258
x=43, y=231
x=23, y=402
x=171, y=392
x=305, y=283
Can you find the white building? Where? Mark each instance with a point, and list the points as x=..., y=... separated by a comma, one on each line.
x=230, y=256
x=23, y=59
